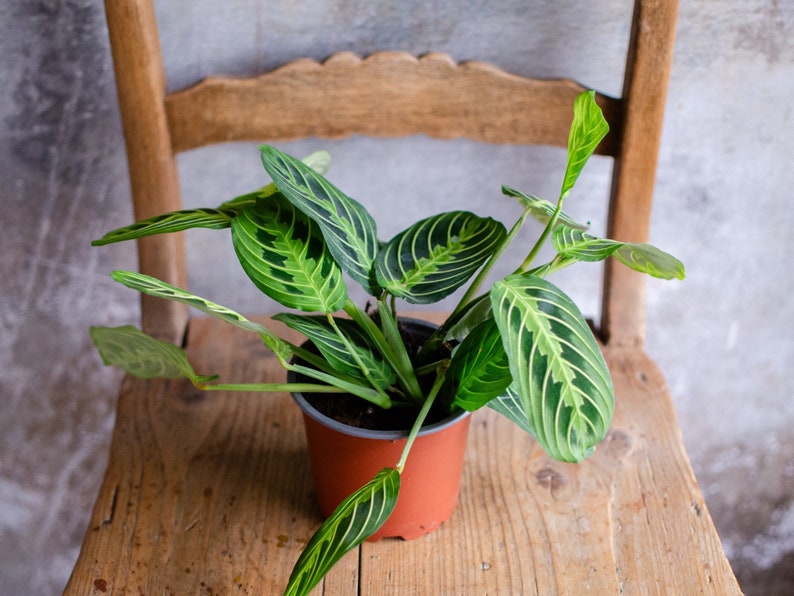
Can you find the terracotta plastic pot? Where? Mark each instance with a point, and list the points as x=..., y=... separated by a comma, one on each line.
x=344, y=458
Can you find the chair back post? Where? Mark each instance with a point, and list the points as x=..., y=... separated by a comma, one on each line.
x=140, y=80
x=648, y=65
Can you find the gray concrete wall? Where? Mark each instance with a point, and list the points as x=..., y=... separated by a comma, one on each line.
x=722, y=205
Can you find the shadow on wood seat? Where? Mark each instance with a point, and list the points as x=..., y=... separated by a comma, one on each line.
x=211, y=493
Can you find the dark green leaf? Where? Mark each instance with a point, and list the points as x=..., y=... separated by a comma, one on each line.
x=348, y=228
x=434, y=257
x=284, y=254
x=479, y=370
x=559, y=373
x=356, y=519
x=477, y=311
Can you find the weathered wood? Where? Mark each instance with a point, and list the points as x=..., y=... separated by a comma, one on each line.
x=140, y=80
x=650, y=56
x=388, y=94
x=211, y=493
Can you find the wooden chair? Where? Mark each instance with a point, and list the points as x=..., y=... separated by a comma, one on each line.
x=210, y=493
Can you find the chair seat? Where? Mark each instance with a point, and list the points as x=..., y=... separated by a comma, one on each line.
x=210, y=493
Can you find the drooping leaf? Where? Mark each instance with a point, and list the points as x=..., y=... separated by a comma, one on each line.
x=587, y=130
x=141, y=355
x=176, y=221
x=348, y=228
x=434, y=257
x=336, y=352
x=559, y=373
x=356, y=519
x=479, y=370
x=282, y=251
x=542, y=210
x=644, y=258
x=154, y=287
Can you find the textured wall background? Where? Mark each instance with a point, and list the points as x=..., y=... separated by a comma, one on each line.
x=722, y=336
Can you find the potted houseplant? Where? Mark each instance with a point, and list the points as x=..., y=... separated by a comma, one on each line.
x=520, y=346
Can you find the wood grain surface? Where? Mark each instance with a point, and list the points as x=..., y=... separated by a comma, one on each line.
x=211, y=494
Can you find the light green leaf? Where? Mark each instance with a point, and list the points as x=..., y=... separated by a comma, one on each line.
x=542, y=210
x=558, y=370
x=434, y=257
x=347, y=227
x=645, y=258
x=141, y=355
x=356, y=519
x=479, y=370
x=587, y=130
x=155, y=287
x=336, y=352
x=284, y=254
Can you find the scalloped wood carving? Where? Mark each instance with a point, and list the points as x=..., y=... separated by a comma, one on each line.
x=387, y=94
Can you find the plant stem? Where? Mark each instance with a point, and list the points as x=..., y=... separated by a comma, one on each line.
x=361, y=366
x=478, y=281
x=272, y=387
x=420, y=418
x=550, y=225
x=395, y=355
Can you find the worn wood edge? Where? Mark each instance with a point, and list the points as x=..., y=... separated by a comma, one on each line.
x=386, y=94
x=648, y=65
x=140, y=81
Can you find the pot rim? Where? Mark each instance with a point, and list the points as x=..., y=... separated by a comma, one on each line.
x=366, y=433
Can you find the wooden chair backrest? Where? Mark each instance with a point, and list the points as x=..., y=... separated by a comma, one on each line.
x=431, y=95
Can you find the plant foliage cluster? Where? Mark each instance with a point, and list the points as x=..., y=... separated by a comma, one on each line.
x=521, y=347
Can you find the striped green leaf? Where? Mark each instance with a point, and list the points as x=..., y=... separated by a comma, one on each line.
x=216, y=219
x=479, y=370
x=337, y=352
x=434, y=257
x=141, y=355
x=282, y=251
x=356, y=519
x=644, y=258
x=587, y=130
x=559, y=374
x=176, y=221
x=348, y=228
x=542, y=210
x=154, y=287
